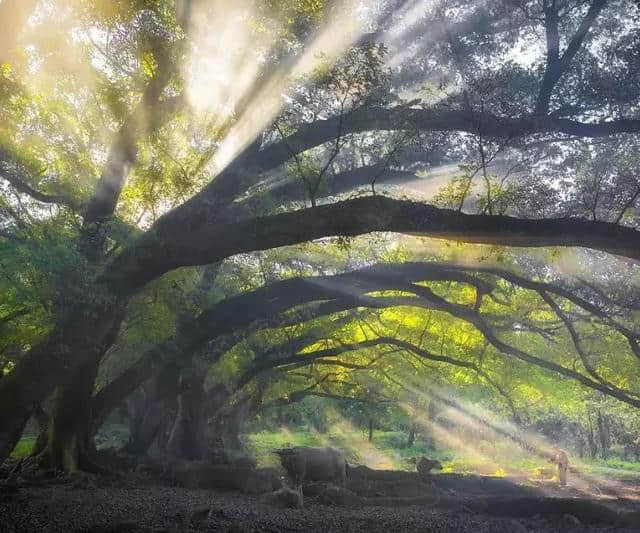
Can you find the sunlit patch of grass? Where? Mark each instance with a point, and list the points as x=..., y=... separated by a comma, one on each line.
x=389, y=450
x=626, y=471
x=385, y=452
x=24, y=447
x=616, y=463
x=261, y=445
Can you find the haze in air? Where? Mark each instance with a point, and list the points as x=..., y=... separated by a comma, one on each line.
x=319, y=265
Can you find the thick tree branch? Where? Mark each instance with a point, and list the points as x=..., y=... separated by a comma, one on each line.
x=557, y=66
x=198, y=240
x=265, y=307
x=247, y=170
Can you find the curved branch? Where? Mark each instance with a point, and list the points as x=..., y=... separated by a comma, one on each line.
x=265, y=307
x=577, y=343
x=247, y=170
x=631, y=336
x=197, y=240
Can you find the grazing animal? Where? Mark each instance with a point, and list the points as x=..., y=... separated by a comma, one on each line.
x=314, y=464
x=425, y=465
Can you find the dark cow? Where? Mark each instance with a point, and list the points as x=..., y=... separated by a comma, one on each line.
x=314, y=464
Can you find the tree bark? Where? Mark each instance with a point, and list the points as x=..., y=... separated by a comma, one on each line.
x=70, y=444
x=43, y=420
x=147, y=415
x=81, y=337
x=411, y=439
x=602, y=434
x=187, y=439
x=370, y=429
x=592, y=441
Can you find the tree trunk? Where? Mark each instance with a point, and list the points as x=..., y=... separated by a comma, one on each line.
x=412, y=434
x=370, y=429
x=146, y=416
x=237, y=414
x=187, y=434
x=592, y=441
x=43, y=420
x=602, y=435
x=231, y=427
x=70, y=444
x=581, y=443
x=85, y=335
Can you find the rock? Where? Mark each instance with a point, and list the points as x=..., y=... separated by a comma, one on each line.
x=284, y=497
x=425, y=465
x=568, y=520
x=199, y=516
x=314, y=488
x=340, y=496
x=314, y=464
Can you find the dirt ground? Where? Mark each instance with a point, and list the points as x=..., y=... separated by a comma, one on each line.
x=464, y=504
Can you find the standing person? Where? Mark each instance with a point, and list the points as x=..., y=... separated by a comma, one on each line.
x=562, y=461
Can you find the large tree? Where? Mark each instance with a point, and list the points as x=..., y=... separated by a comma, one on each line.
x=151, y=166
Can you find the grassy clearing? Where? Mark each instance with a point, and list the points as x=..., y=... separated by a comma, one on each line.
x=386, y=451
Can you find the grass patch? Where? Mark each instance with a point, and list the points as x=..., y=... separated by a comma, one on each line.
x=261, y=445
x=387, y=450
x=24, y=447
